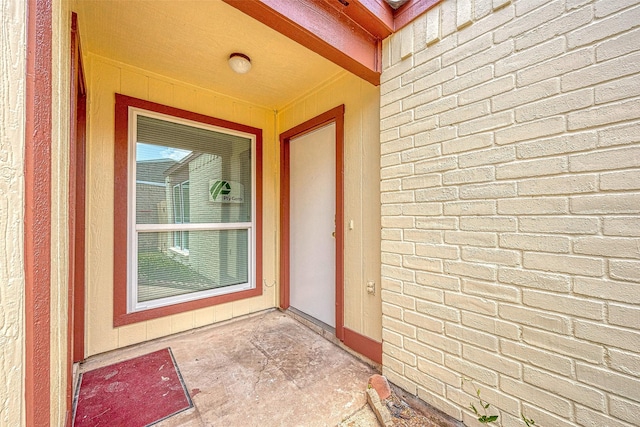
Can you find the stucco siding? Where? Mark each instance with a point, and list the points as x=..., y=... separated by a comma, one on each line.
x=12, y=133
x=105, y=78
x=60, y=134
x=510, y=141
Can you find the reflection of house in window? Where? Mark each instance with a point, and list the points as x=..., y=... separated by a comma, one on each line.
x=180, y=202
x=177, y=194
x=218, y=256
x=151, y=205
x=189, y=242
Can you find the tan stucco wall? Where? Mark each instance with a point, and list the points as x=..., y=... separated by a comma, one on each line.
x=510, y=136
x=361, y=199
x=105, y=78
x=362, y=311
x=61, y=28
x=12, y=132
x=12, y=139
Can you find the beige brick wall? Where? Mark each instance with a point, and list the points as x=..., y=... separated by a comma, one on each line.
x=510, y=177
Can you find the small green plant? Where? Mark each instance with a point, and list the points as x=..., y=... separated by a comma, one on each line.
x=483, y=417
x=483, y=413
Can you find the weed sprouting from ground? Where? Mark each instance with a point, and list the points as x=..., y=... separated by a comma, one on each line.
x=483, y=412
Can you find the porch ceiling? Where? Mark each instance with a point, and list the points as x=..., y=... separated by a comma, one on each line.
x=191, y=40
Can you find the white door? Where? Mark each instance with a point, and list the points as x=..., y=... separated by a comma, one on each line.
x=312, y=171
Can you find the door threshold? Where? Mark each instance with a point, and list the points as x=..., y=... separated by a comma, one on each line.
x=305, y=318
x=328, y=333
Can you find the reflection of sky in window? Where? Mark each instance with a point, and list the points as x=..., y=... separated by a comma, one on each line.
x=159, y=152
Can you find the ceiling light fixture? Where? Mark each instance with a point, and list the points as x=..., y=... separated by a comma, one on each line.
x=239, y=62
x=395, y=4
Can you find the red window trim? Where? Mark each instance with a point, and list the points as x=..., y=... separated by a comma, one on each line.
x=120, y=315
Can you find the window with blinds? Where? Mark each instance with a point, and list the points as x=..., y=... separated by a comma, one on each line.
x=191, y=210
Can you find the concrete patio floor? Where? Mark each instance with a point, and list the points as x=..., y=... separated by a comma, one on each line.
x=264, y=370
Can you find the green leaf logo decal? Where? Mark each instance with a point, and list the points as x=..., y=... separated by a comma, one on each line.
x=219, y=187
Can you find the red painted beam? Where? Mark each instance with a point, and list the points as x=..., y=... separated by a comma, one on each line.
x=410, y=11
x=375, y=16
x=347, y=32
x=323, y=29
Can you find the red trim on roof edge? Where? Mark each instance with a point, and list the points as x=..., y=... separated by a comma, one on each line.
x=374, y=16
x=410, y=11
x=348, y=33
x=316, y=26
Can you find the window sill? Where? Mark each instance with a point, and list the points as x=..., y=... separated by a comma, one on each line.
x=122, y=319
x=178, y=251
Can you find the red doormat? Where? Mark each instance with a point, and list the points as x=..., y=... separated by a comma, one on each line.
x=134, y=393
